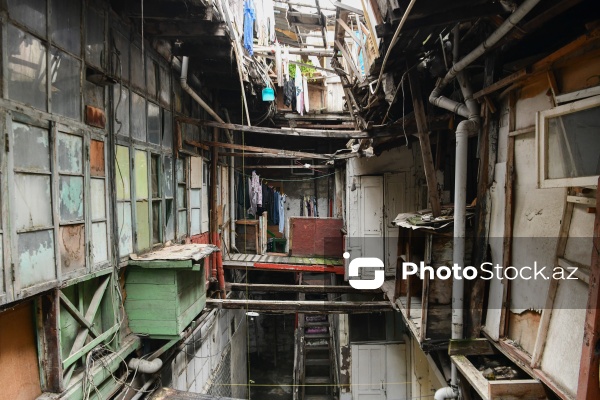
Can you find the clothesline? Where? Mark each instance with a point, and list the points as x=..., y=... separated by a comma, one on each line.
x=289, y=180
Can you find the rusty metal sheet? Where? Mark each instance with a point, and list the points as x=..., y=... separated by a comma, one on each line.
x=95, y=117
x=71, y=243
x=97, y=167
x=122, y=173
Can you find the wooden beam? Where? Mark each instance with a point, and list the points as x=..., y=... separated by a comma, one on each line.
x=588, y=387
x=470, y=347
x=304, y=306
x=70, y=307
x=500, y=83
x=471, y=374
x=349, y=60
x=311, y=166
x=346, y=7
x=305, y=52
x=321, y=133
x=256, y=155
x=283, y=267
x=268, y=288
x=295, y=154
x=423, y=129
x=47, y=317
x=516, y=389
x=349, y=31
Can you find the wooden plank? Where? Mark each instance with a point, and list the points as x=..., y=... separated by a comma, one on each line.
x=47, y=318
x=70, y=307
x=321, y=133
x=578, y=95
x=471, y=374
x=467, y=347
x=342, y=47
x=74, y=356
x=529, y=389
x=588, y=201
x=501, y=83
x=346, y=7
x=588, y=387
x=422, y=127
x=296, y=154
x=349, y=31
x=267, y=288
x=287, y=267
x=306, y=306
x=522, y=131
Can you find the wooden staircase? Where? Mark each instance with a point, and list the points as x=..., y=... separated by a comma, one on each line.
x=318, y=352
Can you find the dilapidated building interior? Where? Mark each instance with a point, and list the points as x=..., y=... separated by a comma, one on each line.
x=186, y=184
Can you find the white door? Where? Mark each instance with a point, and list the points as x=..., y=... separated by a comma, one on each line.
x=379, y=372
x=371, y=217
x=396, y=192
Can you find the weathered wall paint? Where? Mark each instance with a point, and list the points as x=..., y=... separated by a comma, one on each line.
x=72, y=247
x=70, y=153
x=97, y=158
x=33, y=201
x=71, y=198
x=36, y=257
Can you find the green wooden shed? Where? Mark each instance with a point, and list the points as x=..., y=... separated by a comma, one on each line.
x=166, y=289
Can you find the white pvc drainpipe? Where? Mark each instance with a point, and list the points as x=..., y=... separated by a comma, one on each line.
x=469, y=110
x=190, y=91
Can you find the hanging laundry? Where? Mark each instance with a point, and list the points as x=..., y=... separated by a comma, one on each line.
x=282, y=213
x=299, y=91
x=275, y=207
x=305, y=92
x=249, y=17
x=255, y=194
x=278, y=67
x=289, y=94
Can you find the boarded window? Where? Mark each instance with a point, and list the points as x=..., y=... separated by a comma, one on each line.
x=66, y=25
x=138, y=117
x=97, y=158
x=94, y=37
x=26, y=69
x=154, y=123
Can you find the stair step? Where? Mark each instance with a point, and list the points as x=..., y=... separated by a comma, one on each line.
x=317, y=361
x=316, y=335
x=316, y=348
x=316, y=323
x=317, y=397
x=317, y=380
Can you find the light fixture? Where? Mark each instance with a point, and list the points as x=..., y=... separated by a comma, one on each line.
x=252, y=314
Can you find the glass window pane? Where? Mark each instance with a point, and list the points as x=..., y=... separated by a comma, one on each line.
x=180, y=164
x=32, y=200
x=26, y=69
x=97, y=158
x=142, y=225
x=124, y=227
x=154, y=168
x=122, y=173
x=180, y=196
x=168, y=178
x=66, y=21
x=121, y=101
x=31, y=146
x=66, y=84
x=94, y=37
x=138, y=117
x=93, y=95
x=182, y=223
x=36, y=257
x=138, y=76
x=195, y=221
x=170, y=220
x=574, y=144
x=156, y=221
x=141, y=175
x=70, y=153
x=195, y=198
x=167, y=139
x=120, y=61
x=165, y=86
x=71, y=244
x=98, y=199
x=71, y=198
x=153, y=123
x=151, y=77
x=99, y=242
x=31, y=13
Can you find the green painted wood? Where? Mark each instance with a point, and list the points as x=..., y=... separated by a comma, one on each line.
x=162, y=302
x=162, y=264
x=76, y=355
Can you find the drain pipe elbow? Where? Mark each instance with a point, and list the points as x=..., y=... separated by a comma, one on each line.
x=445, y=393
x=145, y=366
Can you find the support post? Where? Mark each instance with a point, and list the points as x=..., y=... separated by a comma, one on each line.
x=588, y=387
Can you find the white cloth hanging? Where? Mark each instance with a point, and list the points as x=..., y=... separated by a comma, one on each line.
x=305, y=92
x=298, y=82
